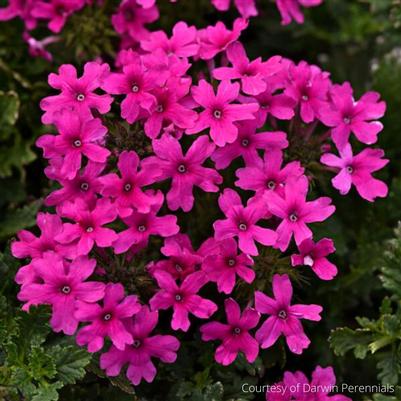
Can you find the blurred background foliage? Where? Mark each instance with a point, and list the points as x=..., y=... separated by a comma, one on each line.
x=356, y=40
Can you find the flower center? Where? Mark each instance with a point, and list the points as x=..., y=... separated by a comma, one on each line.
x=178, y=268
x=346, y=120
x=217, y=114
x=77, y=143
x=107, y=317
x=271, y=184
x=245, y=142
x=308, y=261
x=127, y=187
x=178, y=298
x=89, y=229
x=136, y=344
x=349, y=169
x=135, y=88
x=80, y=97
x=141, y=228
x=242, y=227
x=231, y=262
x=181, y=168
x=160, y=108
x=237, y=330
x=66, y=289
x=305, y=98
x=84, y=186
x=293, y=217
x=282, y=314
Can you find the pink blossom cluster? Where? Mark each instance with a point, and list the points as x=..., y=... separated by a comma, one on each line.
x=290, y=10
x=201, y=126
x=296, y=386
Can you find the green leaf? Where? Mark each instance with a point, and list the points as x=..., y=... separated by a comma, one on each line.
x=9, y=109
x=343, y=340
x=389, y=367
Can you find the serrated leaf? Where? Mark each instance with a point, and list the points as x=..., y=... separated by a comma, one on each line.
x=9, y=109
x=343, y=340
x=389, y=367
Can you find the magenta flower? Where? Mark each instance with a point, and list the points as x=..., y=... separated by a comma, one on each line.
x=251, y=73
x=268, y=175
x=143, y=225
x=136, y=83
x=185, y=171
x=56, y=11
x=296, y=212
x=85, y=185
x=345, y=115
x=241, y=222
x=308, y=86
x=314, y=255
x=182, y=43
x=107, y=320
x=77, y=94
x=77, y=137
x=182, y=298
x=296, y=386
x=182, y=259
x=169, y=108
x=62, y=284
x=357, y=170
x=215, y=39
x=223, y=267
x=131, y=19
x=246, y=8
x=127, y=190
x=234, y=335
x=139, y=355
x=22, y=9
x=291, y=9
x=220, y=113
x=29, y=245
x=284, y=317
x=37, y=48
x=247, y=144
x=88, y=228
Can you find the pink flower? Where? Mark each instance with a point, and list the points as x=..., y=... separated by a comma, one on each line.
x=29, y=245
x=268, y=175
x=224, y=264
x=234, y=335
x=284, y=317
x=77, y=137
x=131, y=19
x=314, y=255
x=220, y=113
x=77, y=94
x=247, y=144
x=345, y=115
x=308, y=86
x=88, y=228
x=215, y=39
x=183, y=298
x=85, y=185
x=56, y=11
x=143, y=225
x=37, y=48
x=22, y=9
x=106, y=320
x=136, y=83
x=252, y=74
x=127, y=190
x=296, y=212
x=291, y=9
x=169, y=108
x=182, y=259
x=295, y=386
x=185, y=171
x=139, y=355
x=62, y=284
x=246, y=8
x=357, y=170
x=182, y=43
x=241, y=222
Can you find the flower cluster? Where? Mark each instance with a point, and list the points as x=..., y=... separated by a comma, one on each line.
x=296, y=386
x=117, y=200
